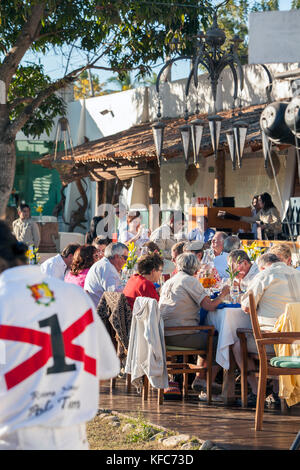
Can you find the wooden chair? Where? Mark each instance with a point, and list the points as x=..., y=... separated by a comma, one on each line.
x=265, y=368
x=187, y=368
x=107, y=309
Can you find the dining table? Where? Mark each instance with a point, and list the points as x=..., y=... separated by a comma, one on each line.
x=226, y=320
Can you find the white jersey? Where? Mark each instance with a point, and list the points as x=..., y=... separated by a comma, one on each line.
x=56, y=350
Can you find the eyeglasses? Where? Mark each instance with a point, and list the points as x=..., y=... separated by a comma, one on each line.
x=124, y=257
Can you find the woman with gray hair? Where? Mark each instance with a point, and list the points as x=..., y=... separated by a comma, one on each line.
x=181, y=298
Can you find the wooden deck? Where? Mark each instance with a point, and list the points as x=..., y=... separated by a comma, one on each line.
x=230, y=427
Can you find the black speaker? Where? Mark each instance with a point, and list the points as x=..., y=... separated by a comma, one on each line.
x=224, y=202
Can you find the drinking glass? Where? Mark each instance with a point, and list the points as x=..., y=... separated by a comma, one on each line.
x=234, y=293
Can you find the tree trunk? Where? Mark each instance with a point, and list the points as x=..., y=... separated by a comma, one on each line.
x=7, y=172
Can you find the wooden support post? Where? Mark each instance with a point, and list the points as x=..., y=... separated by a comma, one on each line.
x=154, y=198
x=219, y=183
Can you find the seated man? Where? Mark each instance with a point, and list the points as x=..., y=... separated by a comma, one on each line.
x=104, y=275
x=202, y=232
x=283, y=252
x=195, y=247
x=58, y=265
x=241, y=262
x=177, y=249
x=216, y=254
x=273, y=288
x=231, y=242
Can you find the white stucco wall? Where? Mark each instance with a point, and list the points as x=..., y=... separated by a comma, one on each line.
x=274, y=36
x=254, y=91
x=176, y=192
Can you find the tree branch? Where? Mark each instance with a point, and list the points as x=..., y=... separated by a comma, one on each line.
x=19, y=122
x=18, y=101
x=24, y=40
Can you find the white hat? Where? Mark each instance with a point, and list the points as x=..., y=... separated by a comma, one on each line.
x=194, y=246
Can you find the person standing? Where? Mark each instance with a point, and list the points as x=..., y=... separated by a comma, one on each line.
x=25, y=229
x=254, y=211
x=135, y=232
x=48, y=393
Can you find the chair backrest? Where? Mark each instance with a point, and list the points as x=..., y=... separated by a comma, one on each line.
x=254, y=319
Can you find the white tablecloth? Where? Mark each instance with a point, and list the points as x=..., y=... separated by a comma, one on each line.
x=226, y=321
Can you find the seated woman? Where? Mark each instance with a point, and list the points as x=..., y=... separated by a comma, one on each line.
x=142, y=284
x=135, y=231
x=84, y=257
x=180, y=300
x=101, y=243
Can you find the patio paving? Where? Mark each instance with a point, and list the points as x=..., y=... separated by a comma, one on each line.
x=230, y=427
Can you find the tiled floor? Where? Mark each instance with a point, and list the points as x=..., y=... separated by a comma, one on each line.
x=230, y=427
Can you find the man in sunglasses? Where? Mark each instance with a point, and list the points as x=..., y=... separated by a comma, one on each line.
x=104, y=275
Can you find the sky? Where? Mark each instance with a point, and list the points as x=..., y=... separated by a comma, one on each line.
x=55, y=64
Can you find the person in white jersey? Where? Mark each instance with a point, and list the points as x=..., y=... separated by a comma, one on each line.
x=56, y=350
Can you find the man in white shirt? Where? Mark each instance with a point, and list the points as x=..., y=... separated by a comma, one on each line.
x=57, y=266
x=273, y=288
x=104, y=275
x=215, y=254
x=241, y=262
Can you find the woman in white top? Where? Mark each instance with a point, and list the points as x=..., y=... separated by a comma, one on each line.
x=135, y=231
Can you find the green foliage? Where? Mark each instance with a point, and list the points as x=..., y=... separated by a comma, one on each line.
x=28, y=82
x=295, y=4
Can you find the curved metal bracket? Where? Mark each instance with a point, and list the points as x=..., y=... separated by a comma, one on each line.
x=169, y=62
x=270, y=86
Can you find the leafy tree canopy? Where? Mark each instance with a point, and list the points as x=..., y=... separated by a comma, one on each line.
x=130, y=35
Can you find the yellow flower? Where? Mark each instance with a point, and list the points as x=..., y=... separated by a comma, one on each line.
x=39, y=209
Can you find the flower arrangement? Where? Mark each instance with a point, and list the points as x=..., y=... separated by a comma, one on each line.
x=132, y=257
x=32, y=254
x=232, y=273
x=39, y=209
x=208, y=282
x=209, y=277
x=253, y=251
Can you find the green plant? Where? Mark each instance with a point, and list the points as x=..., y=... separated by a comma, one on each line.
x=230, y=270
